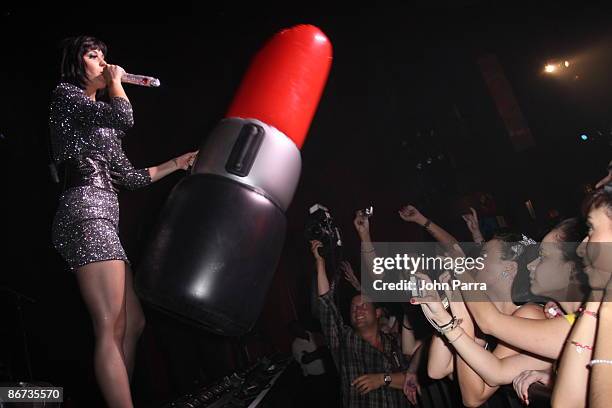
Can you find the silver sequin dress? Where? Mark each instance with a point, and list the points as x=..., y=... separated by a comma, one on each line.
x=87, y=135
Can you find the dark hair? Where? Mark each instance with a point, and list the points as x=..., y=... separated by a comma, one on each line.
x=72, y=68
x=598, y=199
x=571, y=233
x=522, y=256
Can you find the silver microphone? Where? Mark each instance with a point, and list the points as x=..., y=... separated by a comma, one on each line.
x=141, y=80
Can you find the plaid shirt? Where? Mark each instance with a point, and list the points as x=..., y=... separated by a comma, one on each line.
x=355, y=357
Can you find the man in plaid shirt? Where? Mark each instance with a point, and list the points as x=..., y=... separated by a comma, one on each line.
x=370, y=362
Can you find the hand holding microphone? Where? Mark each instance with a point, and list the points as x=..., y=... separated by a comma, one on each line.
x=114, y=73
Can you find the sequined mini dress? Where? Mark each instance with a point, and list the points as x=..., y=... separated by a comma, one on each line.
x=86, y=145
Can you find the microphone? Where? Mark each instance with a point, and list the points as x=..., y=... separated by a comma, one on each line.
x=141, y=80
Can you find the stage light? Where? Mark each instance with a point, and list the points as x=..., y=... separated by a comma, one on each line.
x=550, y=68
x=566, y=63
x=584, y=137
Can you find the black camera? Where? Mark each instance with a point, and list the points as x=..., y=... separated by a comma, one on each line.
x=320, y=227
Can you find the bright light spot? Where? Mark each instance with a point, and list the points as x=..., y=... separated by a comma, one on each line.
x=550, y=68
x=584, y=137
x=320, y=38
x=566, y=63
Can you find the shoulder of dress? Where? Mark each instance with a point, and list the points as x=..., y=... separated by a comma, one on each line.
x=65, y=88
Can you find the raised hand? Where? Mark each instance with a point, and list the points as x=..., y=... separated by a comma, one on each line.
x=361, y=223
x=410, y=213
x=314, y=248
x=349, y=275
x=471, y=220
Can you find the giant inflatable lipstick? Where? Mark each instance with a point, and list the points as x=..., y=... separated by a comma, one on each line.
x=221, y=232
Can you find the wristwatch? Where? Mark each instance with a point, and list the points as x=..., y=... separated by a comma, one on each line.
x=387, y=379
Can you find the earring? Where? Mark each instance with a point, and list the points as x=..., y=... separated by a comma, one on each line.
x=505, y=274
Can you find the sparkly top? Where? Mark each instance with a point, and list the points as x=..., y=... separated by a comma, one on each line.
x=87, y=134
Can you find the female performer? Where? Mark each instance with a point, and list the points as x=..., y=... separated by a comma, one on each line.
x=86, y=143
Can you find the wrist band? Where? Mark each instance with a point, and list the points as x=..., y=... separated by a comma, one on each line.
x=427, y=224
x=599, y=361
x=454, y=322
x=580, y=347
x=456, y=338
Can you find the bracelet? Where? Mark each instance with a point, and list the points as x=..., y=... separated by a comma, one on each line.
x=427, y=224
x=580, y=347
x=599, y=361
x=456, y=338
x=454, y=322
x=582, y=311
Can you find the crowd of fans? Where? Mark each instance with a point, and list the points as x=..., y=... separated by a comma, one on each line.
x=550, y=341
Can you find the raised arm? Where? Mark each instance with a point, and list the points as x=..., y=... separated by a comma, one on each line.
x=410, y=214
x=471, y=221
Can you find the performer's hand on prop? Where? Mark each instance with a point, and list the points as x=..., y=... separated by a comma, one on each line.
x=186, y=160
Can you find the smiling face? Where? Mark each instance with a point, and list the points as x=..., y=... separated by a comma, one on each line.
x=363, y=312
x=94, y=64
x=550, y=272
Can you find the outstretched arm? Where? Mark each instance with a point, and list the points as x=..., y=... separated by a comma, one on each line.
x=181, y=162
x=543, y=337
x=410, y=214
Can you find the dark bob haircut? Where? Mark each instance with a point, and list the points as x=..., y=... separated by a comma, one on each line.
x=72, y=66
x=598, y=199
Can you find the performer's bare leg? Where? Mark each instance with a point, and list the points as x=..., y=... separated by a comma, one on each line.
x=135, y=322
x=102, y=286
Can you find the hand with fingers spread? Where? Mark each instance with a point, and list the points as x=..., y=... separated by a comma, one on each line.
x=349, y=275
x=523, y=381
x=368, y=382
x=411, y=387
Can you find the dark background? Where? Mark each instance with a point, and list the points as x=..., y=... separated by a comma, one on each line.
x=398, y=74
